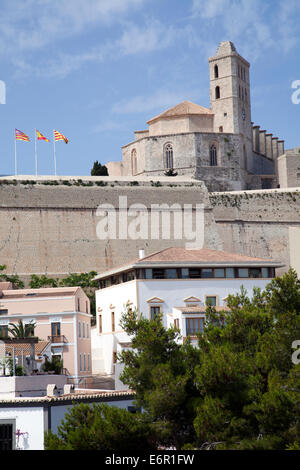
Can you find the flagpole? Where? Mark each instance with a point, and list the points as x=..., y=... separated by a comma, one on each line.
x=54, y=153
x=35, y=155
x=16, y=168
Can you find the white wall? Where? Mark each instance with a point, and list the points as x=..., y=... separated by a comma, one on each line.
x=30, y=420
x=173, y=292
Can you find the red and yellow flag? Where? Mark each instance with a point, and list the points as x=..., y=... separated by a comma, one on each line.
x=59, y=136
x=21, y=136
x=41, y=136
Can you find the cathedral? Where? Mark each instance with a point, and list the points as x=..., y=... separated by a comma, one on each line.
x=220, y=145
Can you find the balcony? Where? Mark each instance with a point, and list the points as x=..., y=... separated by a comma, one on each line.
x=57, y=339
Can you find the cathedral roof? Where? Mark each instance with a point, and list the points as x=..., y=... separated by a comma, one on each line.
x=185, y=108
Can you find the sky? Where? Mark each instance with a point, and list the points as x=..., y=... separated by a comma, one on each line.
x=97, y=70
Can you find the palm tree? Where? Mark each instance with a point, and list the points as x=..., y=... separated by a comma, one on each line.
x=21, y=331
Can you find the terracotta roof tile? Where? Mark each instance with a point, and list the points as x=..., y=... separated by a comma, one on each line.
x=182, y=109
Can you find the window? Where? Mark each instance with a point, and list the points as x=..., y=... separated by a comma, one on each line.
x=194, y=273
x=87, y=306
x=7, y=433
x=3, y=311
x=100, y=324
x=230, y=273
x=158, y=273
x=176, y=323
x=219, y=272
x=79, y=329
x=211, y=300
x=78, y=305
x=114, y=357
x=133, y=162
x=218, y=93
x=3, y=331
x=87, y=330
x=80, y=362
x=154, y=311
x=169, y=156
x=194, y=326
x=84, y=361
x=265, y=272
x=171, y=273
x=112, y=321
x=243, y=272
x=148, y=273
x=30, y=328
x=184, y=273
x=55, y=329
x=254, y=272
x=216, y=71
x=83, y=329
x=213, y=157
x=89, y=364
x=221, y=129
x=207, y=273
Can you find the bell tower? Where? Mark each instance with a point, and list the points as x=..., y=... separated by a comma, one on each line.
x=230, y=96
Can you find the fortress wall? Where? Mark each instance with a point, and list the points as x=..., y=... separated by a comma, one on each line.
x=52, y=230
x=257, y=223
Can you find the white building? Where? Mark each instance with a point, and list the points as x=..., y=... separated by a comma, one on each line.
x=176, y=282
x=23, y=421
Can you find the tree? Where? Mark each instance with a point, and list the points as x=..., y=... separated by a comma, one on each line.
x=101, y=427
x=99, y=170
x=239, y=389
x=14, y=278
x=20, y=330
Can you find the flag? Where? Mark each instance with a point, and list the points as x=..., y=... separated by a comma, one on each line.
x=41, y=137
x=21, y=136
x=59, y=136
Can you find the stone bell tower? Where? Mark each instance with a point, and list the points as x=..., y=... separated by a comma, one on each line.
x=230, y=97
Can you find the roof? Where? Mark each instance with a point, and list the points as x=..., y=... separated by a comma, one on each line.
x=25, y=347
x=42, y=292
x=78, y=395
x=177, y=256
x=185, y=108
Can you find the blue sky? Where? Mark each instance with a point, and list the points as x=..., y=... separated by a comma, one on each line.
x=97, y=70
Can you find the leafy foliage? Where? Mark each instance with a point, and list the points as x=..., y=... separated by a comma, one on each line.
x=20, y=330
x=99, y=170
x=101, y=427
x=239, y=389
x=14, y=279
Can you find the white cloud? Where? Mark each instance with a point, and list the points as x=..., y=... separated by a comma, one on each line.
x=255, y=25
x=157, y=101
x=134, y=40
x=33, y=24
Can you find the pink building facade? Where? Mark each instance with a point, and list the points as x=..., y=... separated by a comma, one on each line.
x=62, y=317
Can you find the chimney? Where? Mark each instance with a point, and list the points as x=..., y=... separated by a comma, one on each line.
x=68, y=389
x=51, y=390
x=141, y=253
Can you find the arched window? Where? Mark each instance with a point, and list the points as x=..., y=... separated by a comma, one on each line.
x=169, y=156
x=216, y=71
x=213, y=156
x=133, y=162
x=218, y=94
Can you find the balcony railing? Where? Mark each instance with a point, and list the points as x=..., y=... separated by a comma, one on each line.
x=57, y=339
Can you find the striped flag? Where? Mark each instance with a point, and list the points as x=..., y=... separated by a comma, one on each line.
x=59, y=136
x=41, y=136
x=21, y=136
